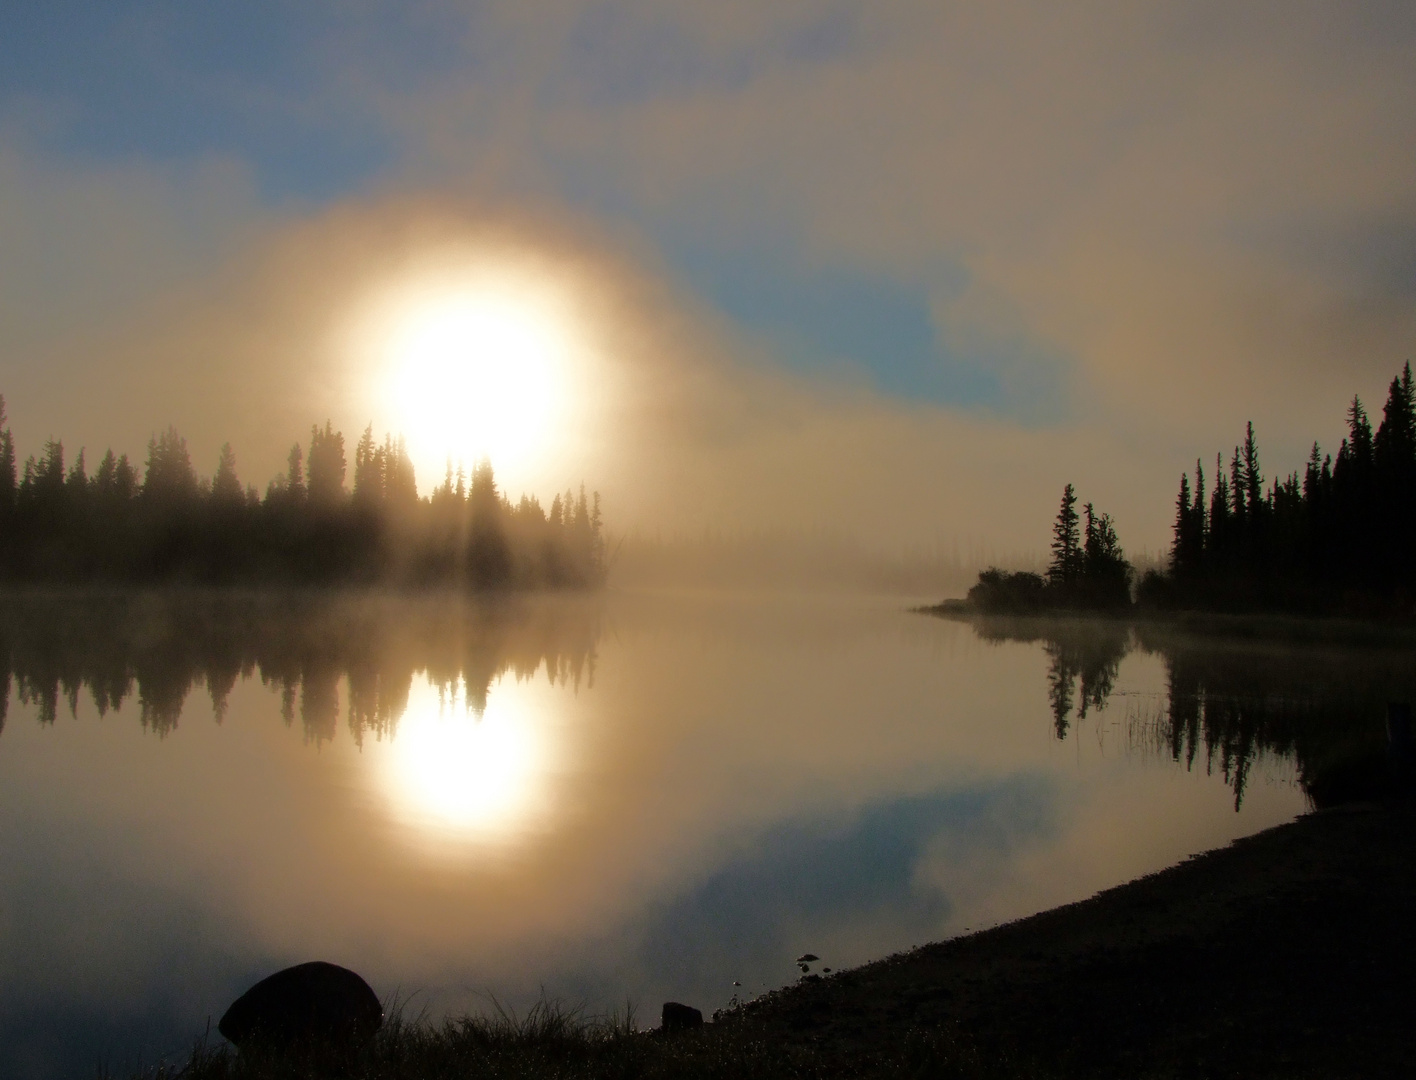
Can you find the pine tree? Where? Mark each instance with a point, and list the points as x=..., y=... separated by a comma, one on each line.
x=1106, y=574
x=295, y=475
x=1253, y=476
x=369, y=464
x=105, y=478
x=400, y=484
x=48, y=472
x=1237, y=486
x=1394, y=446
x=1394, y=480
x=225, y=487
x=1066, y=565
x=1197, y=516
x=1221, y=521
x=77, y=481
x=325, y=467
x=8, y=478
x=488, y=555
x=169, y=476
x=1180, y=552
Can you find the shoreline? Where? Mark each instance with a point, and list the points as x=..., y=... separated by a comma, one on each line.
x=1286, y=953
x=1284, y=627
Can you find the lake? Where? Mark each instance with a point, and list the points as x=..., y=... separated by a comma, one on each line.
x=605, y=800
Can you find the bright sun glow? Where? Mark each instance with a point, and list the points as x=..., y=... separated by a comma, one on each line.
x=457, y=776
x=478, y=370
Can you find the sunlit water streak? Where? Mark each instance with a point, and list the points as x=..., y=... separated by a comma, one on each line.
x=457, y=776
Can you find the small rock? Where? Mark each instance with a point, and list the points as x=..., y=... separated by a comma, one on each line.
x=806, y=958
x=317, y=1000
x=676, y=1017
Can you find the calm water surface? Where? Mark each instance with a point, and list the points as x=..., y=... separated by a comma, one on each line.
x=630, y=798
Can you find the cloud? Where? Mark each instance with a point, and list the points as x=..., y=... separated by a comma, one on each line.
x=88, y=250
x=1136, y=230
x=1174, y=220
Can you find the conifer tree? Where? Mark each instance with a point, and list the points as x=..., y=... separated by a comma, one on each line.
x=1180, y=552
x=169, y=476
x=488, y=557
x=1066, y=565
x=295, y=475
x=105, y=477
x=1197, y=515
x=1106, y=574
x=225, y=487
x=1221, y=520
x=48, y=472
x=325, y=468
x=77, y=481
x=1394, y=446
x=1253, y=476
x=369, y=463
x=8, y=477
x=400, y=485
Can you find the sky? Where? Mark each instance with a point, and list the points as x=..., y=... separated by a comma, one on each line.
x=896, y=271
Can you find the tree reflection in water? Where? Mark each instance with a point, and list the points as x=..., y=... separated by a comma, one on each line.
x=160, y=647
x=1235, y=697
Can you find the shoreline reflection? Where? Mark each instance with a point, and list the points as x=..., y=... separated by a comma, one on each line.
x=160, y=647
x=1232, y=702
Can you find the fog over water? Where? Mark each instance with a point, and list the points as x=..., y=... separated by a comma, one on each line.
x=640, y=796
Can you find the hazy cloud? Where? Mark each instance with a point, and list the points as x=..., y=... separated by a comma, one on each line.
x=1135, y=228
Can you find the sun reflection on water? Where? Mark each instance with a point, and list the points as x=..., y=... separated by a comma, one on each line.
x=458, y=776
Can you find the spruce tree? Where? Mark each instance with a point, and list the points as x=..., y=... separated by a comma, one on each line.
x=368, y=469
x=1180, y=553
x=325, y=466
x=295, y=475
x=8, y=478
x=1066, y=565
x=225, y=487
x=1253, y=475
x=169, y=477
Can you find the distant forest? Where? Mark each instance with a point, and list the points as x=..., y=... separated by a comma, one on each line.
x=62, y=523
x=1339, y=538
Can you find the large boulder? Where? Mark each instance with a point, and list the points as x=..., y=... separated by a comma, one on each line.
x=309, y=1002
x=679, y=1017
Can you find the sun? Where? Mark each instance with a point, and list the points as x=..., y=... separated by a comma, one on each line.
x=478, y=370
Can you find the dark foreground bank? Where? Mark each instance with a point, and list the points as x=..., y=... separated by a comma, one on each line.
x=1289, y=953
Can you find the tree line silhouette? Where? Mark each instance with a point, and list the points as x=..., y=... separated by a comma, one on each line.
x=61, y=522
x=155, y=649
x=1339, y=537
